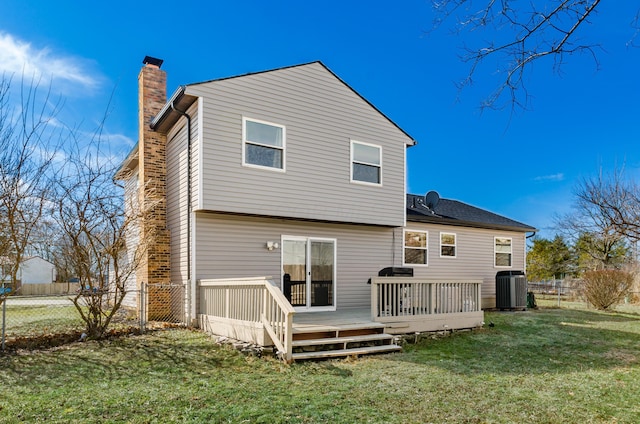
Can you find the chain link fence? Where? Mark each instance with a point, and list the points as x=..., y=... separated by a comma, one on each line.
x=40, y=321
x=567, y=290
x=563, y=287
x=166, y=304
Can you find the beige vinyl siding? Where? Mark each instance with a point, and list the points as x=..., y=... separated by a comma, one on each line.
x=177, y=200
x=321, y=116
x=132, y=238
x=474, y=256
x=177, y=210
x=232, y=246
x=194, y=112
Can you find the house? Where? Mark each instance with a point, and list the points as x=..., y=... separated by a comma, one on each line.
x=290, y=173
x=32, y=270
x=463, y=241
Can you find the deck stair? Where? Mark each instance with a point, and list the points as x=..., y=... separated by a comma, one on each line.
x=341, y=340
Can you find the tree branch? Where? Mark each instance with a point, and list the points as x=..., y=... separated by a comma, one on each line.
x=534, y=35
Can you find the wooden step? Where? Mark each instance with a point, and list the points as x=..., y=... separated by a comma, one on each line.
x=346, y=352
x=334, y=334
x=333, y=331
x=315, y=328
x=342, y=340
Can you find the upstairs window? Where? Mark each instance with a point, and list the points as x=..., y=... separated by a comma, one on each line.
x=366, y=163
x=447, y=245
x=416, y=251
x=503, y=252
x=263, y=144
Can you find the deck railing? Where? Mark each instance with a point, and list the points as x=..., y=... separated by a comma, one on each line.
x=254, y=301
x=411, y=297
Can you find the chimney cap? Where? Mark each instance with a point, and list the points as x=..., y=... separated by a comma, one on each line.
x=149, y=60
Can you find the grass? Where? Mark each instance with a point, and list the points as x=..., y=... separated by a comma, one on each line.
x=34, y=320
x=543, y=366
x=551, y=301
x=33, y=326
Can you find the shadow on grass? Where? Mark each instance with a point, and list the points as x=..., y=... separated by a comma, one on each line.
x=535, y=342
x=179, y=355
x=176, y=353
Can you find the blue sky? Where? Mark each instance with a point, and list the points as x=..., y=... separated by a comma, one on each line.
x=523, y=166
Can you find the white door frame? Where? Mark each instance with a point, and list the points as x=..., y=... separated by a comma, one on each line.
x=308, y=241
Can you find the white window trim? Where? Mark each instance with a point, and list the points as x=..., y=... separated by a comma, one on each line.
x=404, y=247
x=283, y=148
x=455, y=245
x=351, y=162
x=495, y=239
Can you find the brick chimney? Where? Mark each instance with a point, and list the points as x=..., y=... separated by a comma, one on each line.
x=152, y=96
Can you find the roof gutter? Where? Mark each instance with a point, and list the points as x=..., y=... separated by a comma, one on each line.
x=127, y=165
x=168, y=107
x=467, y=224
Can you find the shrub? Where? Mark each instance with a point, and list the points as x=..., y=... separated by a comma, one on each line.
x=607, y=287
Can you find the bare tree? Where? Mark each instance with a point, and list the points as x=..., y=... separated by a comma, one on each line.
x=98, y=231
x=614, y=200
x=604, y=221
x=26, y=157
x=56, y=184
x=527, y=32
x=597, y=242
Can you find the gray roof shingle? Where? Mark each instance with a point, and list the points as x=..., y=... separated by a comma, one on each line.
x=453, y=212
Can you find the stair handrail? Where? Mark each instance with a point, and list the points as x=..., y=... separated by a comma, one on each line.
x=272, y=309
x=277, y=318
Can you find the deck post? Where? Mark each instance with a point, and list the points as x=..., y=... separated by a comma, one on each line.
x=288, y=355
x=374, y=300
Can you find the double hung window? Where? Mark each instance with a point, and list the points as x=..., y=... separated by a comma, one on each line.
x=503, y=252
x=447, y=245
x=366, y=163
x=263, y=144
x=416, y=250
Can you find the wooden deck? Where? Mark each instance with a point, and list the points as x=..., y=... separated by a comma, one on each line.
x=304, y=322
x=316, y=321
x=255, y=310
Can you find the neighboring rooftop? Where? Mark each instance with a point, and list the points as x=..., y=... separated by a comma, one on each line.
x=453, y=212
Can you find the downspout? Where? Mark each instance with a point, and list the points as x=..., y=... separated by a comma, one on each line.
x=533, y=233
x=188, y=117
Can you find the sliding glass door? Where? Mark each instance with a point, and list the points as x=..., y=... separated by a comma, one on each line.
x=308, y=266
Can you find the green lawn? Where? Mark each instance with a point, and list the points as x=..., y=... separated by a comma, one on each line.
x=41, y=324
x=34, y=320
x=543, y=366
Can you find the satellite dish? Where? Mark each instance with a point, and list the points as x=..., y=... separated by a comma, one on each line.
x=431, y=199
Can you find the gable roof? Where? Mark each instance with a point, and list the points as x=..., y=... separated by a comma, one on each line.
x=181, y=100
x=454, y=212
x=5, y=260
